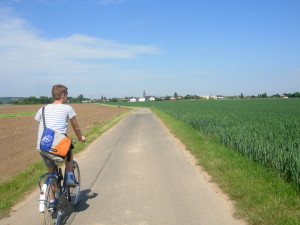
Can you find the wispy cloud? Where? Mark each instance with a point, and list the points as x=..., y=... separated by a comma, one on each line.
x=27, y=59
x=22, y=45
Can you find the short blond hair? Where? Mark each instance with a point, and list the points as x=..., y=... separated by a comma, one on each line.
x=58, y=90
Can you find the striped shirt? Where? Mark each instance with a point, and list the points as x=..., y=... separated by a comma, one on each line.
x=56, y=116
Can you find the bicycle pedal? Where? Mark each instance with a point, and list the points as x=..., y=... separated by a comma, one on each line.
x=51, y=206
x=51, y=210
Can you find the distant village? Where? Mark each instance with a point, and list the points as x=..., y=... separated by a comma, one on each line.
x=146, y=97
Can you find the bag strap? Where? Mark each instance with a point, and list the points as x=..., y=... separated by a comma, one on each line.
x=43, y=115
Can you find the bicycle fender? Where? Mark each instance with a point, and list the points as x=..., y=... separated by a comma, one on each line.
x=43, y=197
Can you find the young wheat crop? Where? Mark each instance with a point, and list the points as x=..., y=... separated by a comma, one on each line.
x=265, y=130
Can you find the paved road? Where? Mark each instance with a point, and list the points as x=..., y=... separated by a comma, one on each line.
x=135, y=174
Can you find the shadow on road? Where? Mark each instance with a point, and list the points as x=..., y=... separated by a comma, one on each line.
x=68, y=213
x=85, y=195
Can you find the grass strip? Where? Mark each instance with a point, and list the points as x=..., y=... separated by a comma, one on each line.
x=5, y=115
x=261, y=196
x=15, y=188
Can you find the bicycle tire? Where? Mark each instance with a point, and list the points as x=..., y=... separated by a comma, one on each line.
x=51, y=217
x=74, y=191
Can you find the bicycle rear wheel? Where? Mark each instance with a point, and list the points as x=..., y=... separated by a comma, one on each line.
x=51, y=212
x=74, y=191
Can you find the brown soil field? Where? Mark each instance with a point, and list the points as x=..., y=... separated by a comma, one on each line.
x=18, y=135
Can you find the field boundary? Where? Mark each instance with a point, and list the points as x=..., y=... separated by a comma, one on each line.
x=6, y=115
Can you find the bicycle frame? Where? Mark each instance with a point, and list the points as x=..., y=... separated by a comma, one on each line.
x=43, y=187
x=55, y=194
x=63, y=189
x=56, y=183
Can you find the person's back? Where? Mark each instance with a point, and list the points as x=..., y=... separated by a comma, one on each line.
x=57, y=116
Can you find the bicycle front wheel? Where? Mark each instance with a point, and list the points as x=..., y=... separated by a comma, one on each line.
x=51, y=212
x=74, y=191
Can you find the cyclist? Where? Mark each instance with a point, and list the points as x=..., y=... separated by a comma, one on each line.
x=57, y=118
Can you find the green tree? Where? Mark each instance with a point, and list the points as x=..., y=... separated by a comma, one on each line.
x=45, y=100
x=80, y=98
x=297, y=94
x=31, y=100
x=113, y=100
x=175, y=95
x=276, y=96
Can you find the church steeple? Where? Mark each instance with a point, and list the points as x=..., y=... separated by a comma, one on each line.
x=144, y=94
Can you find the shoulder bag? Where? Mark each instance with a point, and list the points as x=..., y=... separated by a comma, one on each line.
x=54, y=142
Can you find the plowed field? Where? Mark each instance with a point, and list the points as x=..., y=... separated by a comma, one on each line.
x=18, y=135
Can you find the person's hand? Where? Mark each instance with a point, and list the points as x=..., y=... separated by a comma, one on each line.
x=82, y=139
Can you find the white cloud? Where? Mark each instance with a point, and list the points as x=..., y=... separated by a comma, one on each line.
x=31, y=63
x=23, y=49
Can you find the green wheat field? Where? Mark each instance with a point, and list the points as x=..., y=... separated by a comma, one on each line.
x=265, y=130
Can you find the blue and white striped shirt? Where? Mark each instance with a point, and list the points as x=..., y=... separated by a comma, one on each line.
x=57, y=117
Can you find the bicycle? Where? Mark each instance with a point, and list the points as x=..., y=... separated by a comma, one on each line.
x=55, y=194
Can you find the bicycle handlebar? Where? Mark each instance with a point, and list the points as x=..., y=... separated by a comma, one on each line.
x=76, y=139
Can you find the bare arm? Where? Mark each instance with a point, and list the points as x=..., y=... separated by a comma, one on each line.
x=76, y=129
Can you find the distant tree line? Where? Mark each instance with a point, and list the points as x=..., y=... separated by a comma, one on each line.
x=263, y=95
x=294, y=95
x=47, y=100
x=41, y=100
x=289, y=95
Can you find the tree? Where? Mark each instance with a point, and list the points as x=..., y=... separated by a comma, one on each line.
x=297, y=94
x=45, y=100
x=276, y=96
x=80, y=98
x=264, y=95
x=113, y=100
x=31, y=100
x=175, y=95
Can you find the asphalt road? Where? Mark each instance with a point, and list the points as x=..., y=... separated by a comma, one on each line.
x=136, y=174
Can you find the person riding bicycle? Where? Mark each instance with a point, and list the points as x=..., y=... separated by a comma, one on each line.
x=58, y=116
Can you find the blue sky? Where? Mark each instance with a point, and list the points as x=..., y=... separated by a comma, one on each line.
x=118, y=48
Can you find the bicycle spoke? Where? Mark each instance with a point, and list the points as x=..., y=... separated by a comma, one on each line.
x=54, y=198
x=50, y=215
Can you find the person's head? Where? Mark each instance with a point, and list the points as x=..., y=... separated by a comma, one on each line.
x=59, y=91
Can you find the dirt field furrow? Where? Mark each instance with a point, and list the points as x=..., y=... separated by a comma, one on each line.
x=18, y=135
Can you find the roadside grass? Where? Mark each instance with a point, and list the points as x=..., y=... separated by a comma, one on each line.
x=5, y=115
x=14, y=189
x=261, y=197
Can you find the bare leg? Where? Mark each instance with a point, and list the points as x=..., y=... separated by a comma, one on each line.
x=50, y=169
x=51, y=194
x=69, y=169
x=69, y=162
